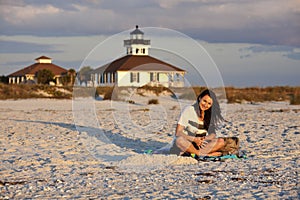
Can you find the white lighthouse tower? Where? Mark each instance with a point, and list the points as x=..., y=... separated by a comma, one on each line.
x=137, y=45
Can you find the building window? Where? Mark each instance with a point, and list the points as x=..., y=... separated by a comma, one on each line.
x=154, y=77
x=137, y=51
x=134, y=77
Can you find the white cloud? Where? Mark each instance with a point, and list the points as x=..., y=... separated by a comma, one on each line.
x=269, y=21
x=168, y=4
x=26, y=14
x=237, y=14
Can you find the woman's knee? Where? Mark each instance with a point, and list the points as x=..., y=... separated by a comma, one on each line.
x=180, y=141
x=221, y=142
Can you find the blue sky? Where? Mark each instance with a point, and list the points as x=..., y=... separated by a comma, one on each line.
x=253, y=43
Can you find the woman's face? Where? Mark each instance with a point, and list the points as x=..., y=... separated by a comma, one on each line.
x=205, y=102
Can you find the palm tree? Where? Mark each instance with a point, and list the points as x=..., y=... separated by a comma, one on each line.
x=72, y=74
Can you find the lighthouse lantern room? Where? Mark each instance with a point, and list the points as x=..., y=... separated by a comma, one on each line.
x=137, y=45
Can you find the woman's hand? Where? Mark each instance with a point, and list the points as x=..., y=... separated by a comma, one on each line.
x=198, y=140
x=208, y=139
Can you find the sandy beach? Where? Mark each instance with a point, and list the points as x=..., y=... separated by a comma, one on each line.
x=93, y=149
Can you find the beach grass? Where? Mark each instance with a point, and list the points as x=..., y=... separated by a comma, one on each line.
x=233, y=94
x=23, y=91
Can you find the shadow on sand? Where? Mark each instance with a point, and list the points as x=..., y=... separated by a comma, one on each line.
x=106, y=137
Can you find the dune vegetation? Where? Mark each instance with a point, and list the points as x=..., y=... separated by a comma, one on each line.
x=233, y=94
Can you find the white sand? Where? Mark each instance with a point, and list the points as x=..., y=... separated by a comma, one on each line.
x=94, y=149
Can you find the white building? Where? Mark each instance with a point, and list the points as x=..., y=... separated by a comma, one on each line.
x=29, y=74
x=137, y=68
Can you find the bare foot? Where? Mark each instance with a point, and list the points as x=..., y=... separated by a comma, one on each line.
x=215, y=154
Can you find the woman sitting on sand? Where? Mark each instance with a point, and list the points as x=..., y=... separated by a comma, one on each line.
x=201, y=118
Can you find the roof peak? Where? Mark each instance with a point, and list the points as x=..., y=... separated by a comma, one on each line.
x=42, y=57
x=137, y=31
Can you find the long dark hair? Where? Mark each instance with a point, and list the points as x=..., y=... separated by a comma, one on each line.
x=212, y=116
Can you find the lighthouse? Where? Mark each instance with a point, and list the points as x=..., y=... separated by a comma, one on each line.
x=138, y=68
x=137, y=45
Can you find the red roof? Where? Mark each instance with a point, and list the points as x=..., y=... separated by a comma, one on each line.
x=139, y=63
x=32, y=69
